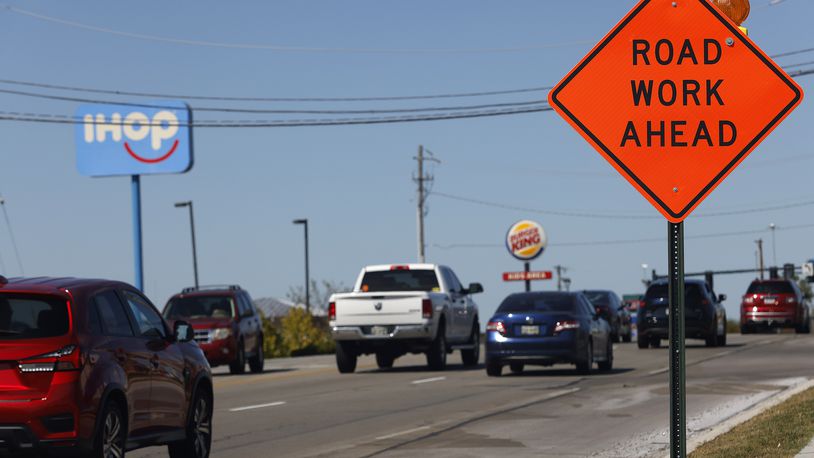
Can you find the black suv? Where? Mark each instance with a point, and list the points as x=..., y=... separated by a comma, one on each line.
x=704, y=315
x=609, y=306
x=227, y=326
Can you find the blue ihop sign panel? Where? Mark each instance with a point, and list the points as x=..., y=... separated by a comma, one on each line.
x=134, y=139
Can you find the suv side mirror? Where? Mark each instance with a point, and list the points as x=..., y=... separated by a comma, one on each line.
x=474, y=288
x=183, y=332
x=721, y=297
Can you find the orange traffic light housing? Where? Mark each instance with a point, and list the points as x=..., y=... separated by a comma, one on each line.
x=737, y=10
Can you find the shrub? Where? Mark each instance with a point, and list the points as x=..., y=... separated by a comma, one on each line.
x=297, y=334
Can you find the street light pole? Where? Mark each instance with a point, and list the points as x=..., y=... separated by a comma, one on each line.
x=772, y=226
x=192, y=229
x=304, y=222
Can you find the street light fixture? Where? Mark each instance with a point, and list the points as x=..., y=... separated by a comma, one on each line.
x=304, y=222
x=192, y=229
x=772, y=226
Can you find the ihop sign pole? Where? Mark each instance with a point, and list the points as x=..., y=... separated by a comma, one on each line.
x=526, y=241
x=134, y=140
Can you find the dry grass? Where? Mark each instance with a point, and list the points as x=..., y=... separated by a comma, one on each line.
x=781, y=431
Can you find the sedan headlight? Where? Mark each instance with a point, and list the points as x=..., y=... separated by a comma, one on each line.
x=221, y=333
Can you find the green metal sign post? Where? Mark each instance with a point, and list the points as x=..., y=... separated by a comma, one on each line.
x=678, y=404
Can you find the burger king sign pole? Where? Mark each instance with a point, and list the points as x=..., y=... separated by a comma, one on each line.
x=526, y=241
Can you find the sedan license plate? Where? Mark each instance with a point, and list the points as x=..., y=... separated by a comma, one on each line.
x=529, y=330
x=379, y=331
x=769, y=300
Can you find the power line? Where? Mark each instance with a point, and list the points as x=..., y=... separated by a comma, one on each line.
x=616, y=215
x=275, y=99
x=263, y=123
x=276, y=111
x=625, y=241
x=284, y=48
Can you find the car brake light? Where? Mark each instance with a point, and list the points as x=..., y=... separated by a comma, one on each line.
x=497, y=326
x=399, y=267
x=64, y=359
x=426, y=308
x=565, y=325
x=749, y=300
x=332, y=311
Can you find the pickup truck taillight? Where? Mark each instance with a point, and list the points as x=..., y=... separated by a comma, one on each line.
x=496, y=326
x=426, y=308
x=332, y=311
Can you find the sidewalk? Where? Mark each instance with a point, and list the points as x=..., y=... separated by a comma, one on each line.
x=807, y=452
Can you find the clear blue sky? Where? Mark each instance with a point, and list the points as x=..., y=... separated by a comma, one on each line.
x=354, y=183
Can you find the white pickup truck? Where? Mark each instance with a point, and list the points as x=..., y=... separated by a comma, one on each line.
x=407, y=308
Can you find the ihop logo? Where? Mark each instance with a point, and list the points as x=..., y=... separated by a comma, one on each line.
x=134, y=139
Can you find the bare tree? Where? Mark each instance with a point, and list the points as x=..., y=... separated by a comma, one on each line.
x=320, y=293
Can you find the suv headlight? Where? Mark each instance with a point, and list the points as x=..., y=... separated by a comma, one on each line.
x=221, y=333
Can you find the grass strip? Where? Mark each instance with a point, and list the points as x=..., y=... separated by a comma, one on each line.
x=781, y=431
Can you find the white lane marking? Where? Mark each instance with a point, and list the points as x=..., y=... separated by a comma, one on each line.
x=723, y=353
x=409, y=431
x=258, y=406
x=428, y=380
x=659, y=371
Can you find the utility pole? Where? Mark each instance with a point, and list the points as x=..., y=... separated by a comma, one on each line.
x=421, y=178
x=760, y=255
x=560, y=270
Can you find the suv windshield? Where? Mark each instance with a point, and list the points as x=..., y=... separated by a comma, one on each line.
x=191, y=307
x=399, y=280
x=770, y=287
x=692, y=293
x=537, y=303
x=32, y=317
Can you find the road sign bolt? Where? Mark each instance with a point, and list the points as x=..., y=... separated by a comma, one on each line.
x=675, y=4
x=730, y=41
x=675, y=189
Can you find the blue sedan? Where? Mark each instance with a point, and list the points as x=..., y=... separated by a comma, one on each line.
x=547, y=328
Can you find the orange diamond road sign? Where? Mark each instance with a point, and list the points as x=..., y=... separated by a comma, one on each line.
x=675, y=97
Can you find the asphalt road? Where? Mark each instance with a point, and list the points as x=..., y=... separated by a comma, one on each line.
x=302, y=407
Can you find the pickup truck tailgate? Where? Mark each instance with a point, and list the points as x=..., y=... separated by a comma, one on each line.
x=379, y=309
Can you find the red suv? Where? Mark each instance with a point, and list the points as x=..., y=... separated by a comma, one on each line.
x=227, y=325
x=89, y=367
x=774, y=303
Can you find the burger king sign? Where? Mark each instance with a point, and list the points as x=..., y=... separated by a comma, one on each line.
x=526, y=240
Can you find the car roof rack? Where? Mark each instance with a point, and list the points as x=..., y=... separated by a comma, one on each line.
x=192, y=289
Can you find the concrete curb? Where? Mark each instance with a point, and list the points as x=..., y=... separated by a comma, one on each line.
x=735, y=420
x=807, y=452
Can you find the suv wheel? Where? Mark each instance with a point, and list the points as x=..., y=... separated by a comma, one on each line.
x=745, y=329
x=655, y=342
x=628, y=337
x=437, y=356
x=607, y=365
x=384, y=359
x=584, y=367
x=493, y=369
x=258, y=361
x=345, y=358
x=471, y=356
x=199, y=431
x=111, y=435
x=643, y=342
x=517, y=368
x=238, y=366
x=721, y=340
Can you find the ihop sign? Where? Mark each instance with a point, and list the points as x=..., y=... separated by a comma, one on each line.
x=134, y=139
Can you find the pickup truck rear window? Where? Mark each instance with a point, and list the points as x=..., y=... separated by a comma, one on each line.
x=399, y=280
x=32, y=317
